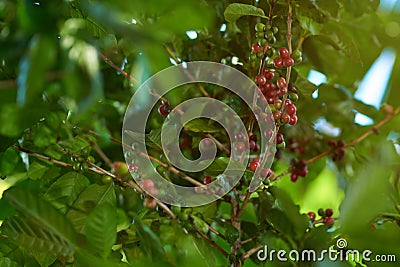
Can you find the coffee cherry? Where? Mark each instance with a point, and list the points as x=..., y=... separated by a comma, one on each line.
x=106, y=179
x=294, y=97
x=328, y=212
x=260, y=27
x=268, y=133
x=278, y=63
x=270, y=52
x=150, y=203
x=253, y=165
x=260, y=79
x=311, y=215
x=302, y=172
x=331, y=143
x=256, y=47
x=321, y=212
x=147, y=184
x=281, y=82
x=252, y=145
x=341, y=143
x=278, y=104
x=283, y=91
x=279, y=138
x=329, y=222
x=271, y=39
x=269, y=75
x=291, y=109
x=253, y=136
x=296, y=54
x=163, y=109
x=294, y=177
x=277, y=115
x=288, y=62
x=207, y=179
x=274, y=30
x=285, y=118
x=293, y=119
x=284, y=52
x=260, y=55
x=240, y=147
x=120, y=168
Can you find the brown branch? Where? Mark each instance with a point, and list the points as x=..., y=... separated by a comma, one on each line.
x=219, y=144
x=12, y=83
x=250, y=252
x=370, y=131
x=215, y=245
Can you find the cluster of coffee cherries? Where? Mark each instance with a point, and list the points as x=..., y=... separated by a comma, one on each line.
x=264, y=37
x=285, y=59
x=339, y=149
x=298, y=145
x=298, y=169
x=241, y=146
x=326, y=217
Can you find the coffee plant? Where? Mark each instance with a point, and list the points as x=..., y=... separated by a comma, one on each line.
x=68, y=70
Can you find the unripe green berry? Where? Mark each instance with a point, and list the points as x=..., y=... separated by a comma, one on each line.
x=260, y=27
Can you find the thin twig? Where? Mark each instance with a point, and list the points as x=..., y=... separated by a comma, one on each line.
x=215, y=245
x=250, y=252
x=178, y=61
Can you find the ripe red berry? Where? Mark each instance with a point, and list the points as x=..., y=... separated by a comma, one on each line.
x=260, y=79
x=147, y=184
x=302, y=172
x=283, y=91
x=294, y=177
x=288, y=62
x=278, y=63
x=269, y=75
x=277, y=115
x=270, y=94
x=240, y=147
x=279, y=138
x=253, y=137
x=163, y=109
x=256, y=47
x=291, y=109
x=252, y=144
x=285, y=118
x=328, y=212
x=331, y=143
x=240, y=137
x=253, y=165
x=341, y=143
x=311, y=215
x=207, y=180
x=150, y=203
x=284, y=52
x=293, y=119
x=281, y=82
x=329, y=222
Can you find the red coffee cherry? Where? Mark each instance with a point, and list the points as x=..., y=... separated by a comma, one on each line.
x=254, y=165
x=284, y=52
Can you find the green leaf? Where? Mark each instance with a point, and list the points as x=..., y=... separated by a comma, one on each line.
x=201, y=126
x=65, y=190
x=8, y=161
x=41, y=212
x=149, y=240
x=235, y=11
x=284, y=204
x=43, y=136
x=101, y=228
x=37, y=170
x=6, y=262
x=93, y=196
x=45, y=258
x=33, y=67
x=34, y=237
